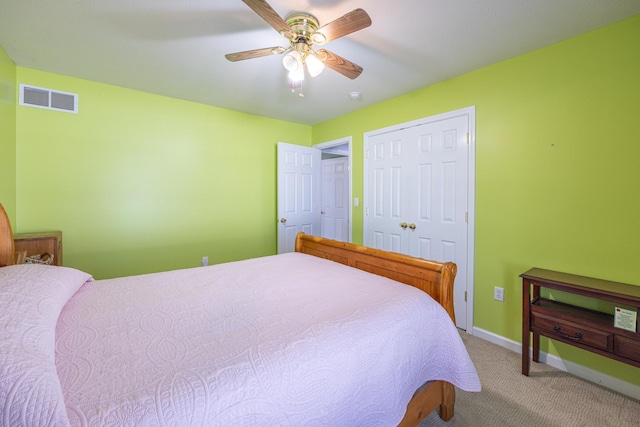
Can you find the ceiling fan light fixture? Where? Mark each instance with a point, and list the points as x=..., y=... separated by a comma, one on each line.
x=314, y=65
x=295, y=79
x=296, y=75
x=292, y=61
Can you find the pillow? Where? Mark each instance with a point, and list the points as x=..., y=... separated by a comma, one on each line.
x=31, y=299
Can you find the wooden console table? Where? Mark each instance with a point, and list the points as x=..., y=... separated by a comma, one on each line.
x=578, y=326
x=38, y=243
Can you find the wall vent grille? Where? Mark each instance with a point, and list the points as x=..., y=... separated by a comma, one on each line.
x=49, y=99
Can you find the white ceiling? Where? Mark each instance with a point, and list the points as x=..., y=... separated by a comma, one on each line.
x=176, y=47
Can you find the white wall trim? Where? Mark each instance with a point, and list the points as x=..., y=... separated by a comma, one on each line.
x=580, y=371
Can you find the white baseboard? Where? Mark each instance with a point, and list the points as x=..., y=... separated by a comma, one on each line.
x=583, y=372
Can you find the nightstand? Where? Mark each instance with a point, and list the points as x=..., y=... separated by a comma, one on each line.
x=40, y=242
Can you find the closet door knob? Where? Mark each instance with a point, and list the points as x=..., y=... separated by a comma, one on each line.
x=412, y=226
x=403, y=225
x=283, y=220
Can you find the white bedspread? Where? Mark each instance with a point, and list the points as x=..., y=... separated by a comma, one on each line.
x=254, y=342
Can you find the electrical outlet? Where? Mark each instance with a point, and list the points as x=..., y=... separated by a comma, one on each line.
x=498, y=293
x=205, y=261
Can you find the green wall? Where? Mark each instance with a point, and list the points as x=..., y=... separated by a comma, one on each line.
x=8, y=134
x=557, y=180
x=140, y=183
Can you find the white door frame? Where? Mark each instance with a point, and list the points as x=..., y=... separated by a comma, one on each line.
x=470, y=112
x=335, y=143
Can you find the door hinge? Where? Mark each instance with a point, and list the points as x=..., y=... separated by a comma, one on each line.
x=467, y=137
x=366, y=154
x=466, y=217
x=366, y=211
x=465, y=296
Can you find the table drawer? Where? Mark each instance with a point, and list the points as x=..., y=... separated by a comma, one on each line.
x=626, y=347
x=571, y=332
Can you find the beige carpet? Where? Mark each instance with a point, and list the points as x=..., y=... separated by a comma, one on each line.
x=548, y=397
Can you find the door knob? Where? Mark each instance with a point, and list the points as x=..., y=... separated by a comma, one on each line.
x=283, y=220
x=403, y=225
x=412, y=226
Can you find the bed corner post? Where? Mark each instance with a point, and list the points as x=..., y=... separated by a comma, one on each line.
x=448, y=275
x=448, y=401
x=299, y=245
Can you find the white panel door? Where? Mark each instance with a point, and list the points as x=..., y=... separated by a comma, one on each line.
x=437, y=224
x=417, y=192
x=298, y=171
x=334, y=212
x=387, y=206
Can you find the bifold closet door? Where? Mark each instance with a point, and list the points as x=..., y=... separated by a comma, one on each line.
x=416, y=197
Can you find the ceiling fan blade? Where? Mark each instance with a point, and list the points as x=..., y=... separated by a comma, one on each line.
x=351, y=22
x=266, y=12
x=256, y=53
x=341, y=65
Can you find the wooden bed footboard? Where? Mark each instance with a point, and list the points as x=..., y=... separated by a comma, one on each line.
x=432, y=277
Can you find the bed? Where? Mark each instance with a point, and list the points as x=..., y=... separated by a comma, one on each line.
x=328, y=335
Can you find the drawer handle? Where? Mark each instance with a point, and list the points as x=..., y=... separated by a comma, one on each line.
x=577, y=337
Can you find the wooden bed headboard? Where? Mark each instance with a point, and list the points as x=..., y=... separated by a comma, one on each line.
x=7, y=248
x=434, y=278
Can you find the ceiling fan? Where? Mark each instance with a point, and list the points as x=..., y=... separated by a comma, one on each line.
x=303, y=32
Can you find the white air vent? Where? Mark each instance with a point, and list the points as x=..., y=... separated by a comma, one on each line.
x=48, y=98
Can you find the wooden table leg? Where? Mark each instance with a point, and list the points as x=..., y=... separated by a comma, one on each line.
x=536, y=347
x=526, y=316
x=536, y=337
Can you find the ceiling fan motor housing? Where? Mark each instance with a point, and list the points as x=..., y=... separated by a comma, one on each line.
x=304, y=27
